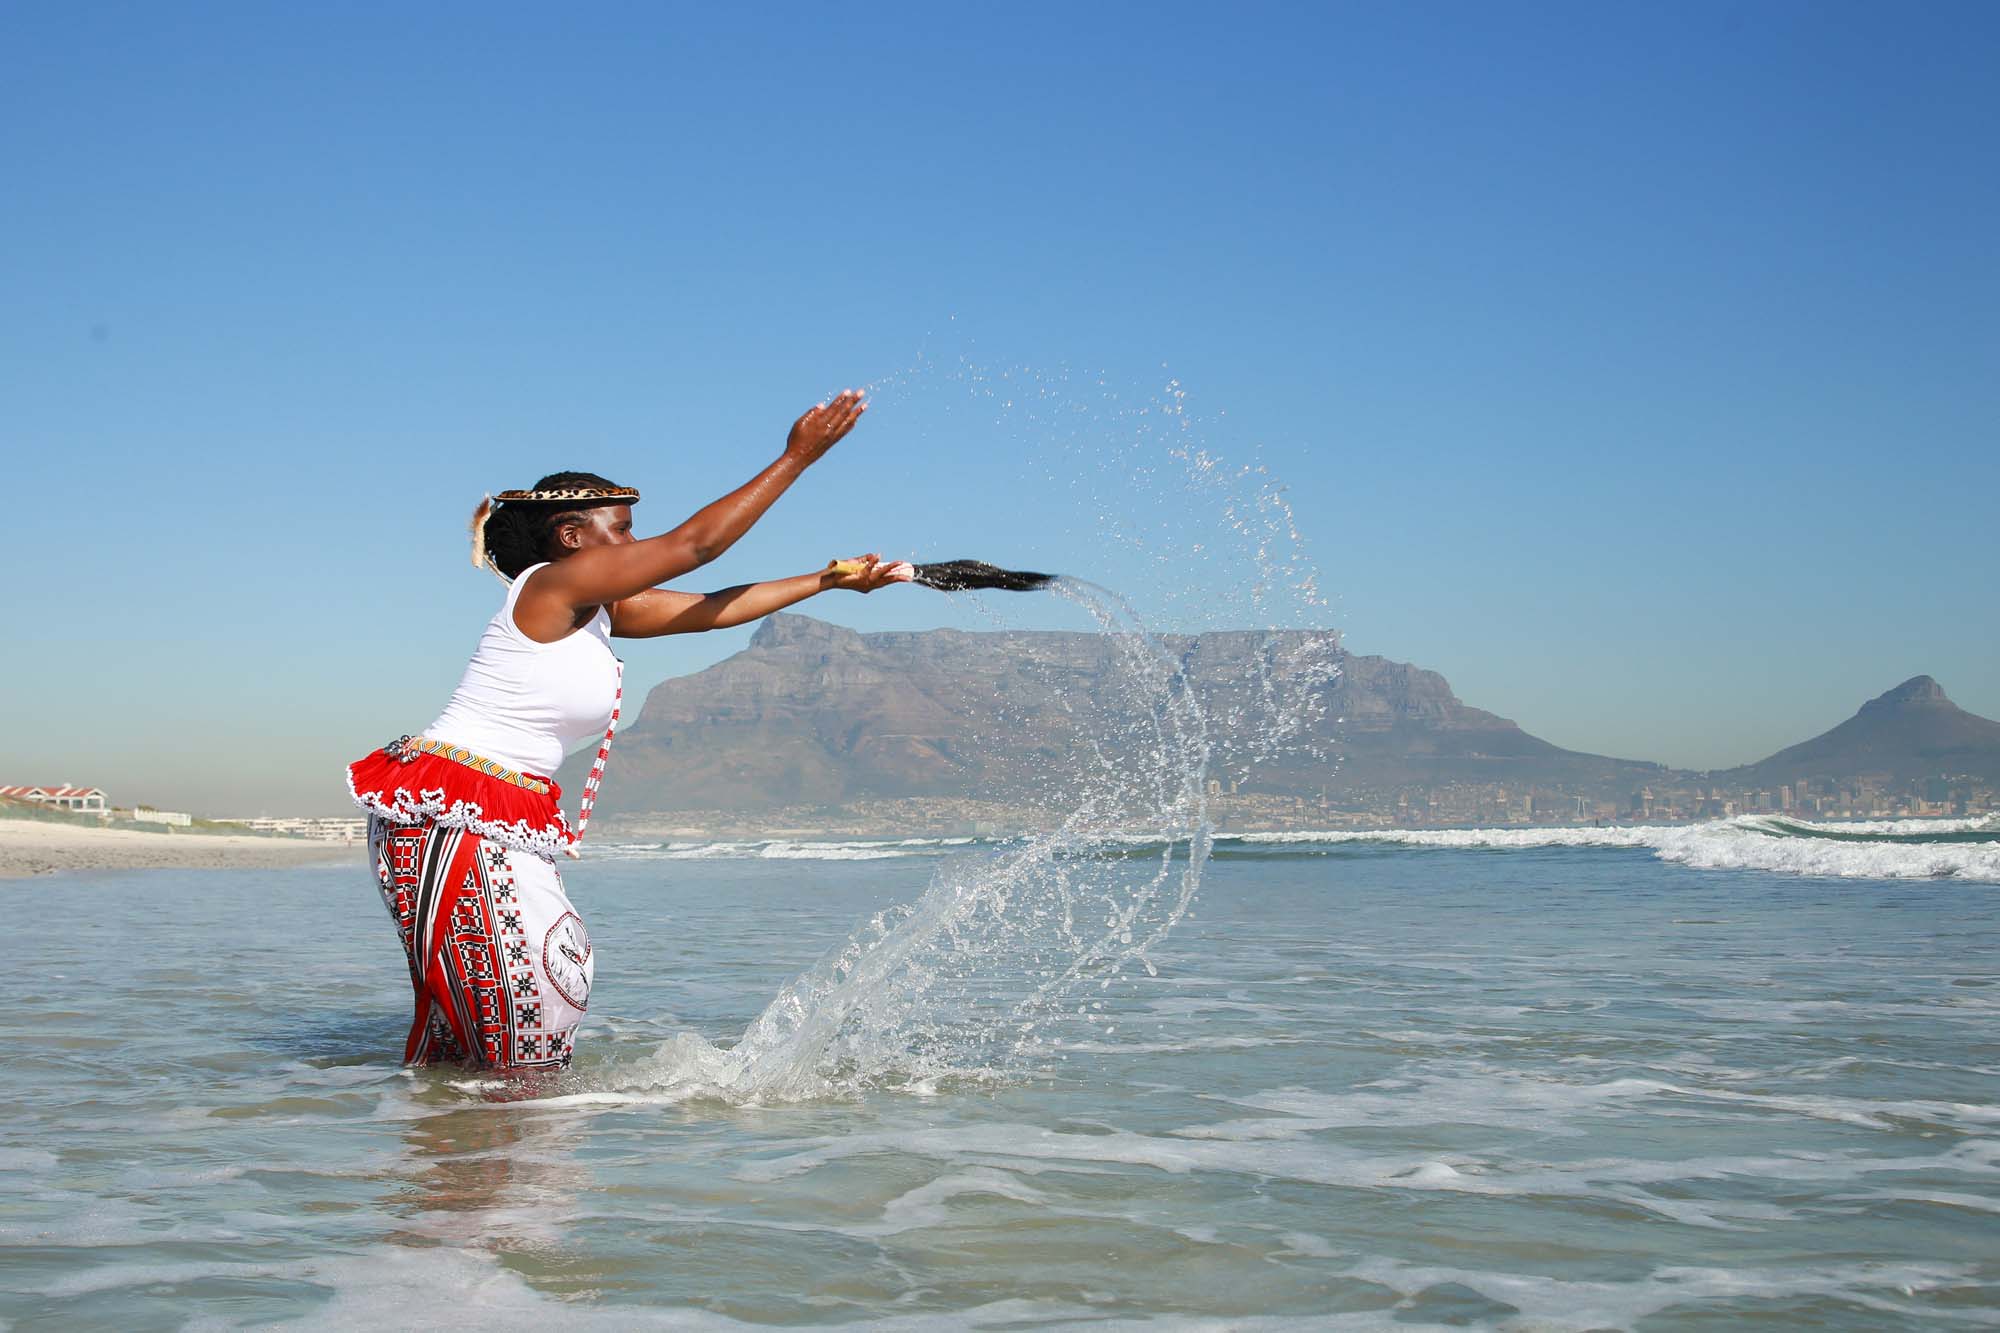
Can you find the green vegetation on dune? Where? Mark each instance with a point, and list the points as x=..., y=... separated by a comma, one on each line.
x=36, y=812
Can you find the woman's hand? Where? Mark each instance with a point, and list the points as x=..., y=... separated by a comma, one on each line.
x=864, y=573
x=822, y=428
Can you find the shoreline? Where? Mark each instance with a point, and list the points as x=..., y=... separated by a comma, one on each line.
x=30, y=848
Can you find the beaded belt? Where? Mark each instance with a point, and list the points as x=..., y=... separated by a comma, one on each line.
x=406, y=749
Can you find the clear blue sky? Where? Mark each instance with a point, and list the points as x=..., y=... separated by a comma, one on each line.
x=1634, y=366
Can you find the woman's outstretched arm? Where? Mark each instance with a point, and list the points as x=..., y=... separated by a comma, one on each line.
x=658, y=611
x=601, y=575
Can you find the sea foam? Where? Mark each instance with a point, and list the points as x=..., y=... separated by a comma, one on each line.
x=1746, y=843
x=1838, y=851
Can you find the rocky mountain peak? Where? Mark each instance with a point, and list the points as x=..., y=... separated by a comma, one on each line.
x=785, y=630
x=1909, y=732
x=1917, y=690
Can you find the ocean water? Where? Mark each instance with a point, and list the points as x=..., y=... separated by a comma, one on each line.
x=1657, y=1079
x=1122, y=1071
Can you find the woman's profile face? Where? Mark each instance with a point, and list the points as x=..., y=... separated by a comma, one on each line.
x=608, y=525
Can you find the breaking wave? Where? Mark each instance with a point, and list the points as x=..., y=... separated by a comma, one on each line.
x=1882, y=849
x=1865, y=849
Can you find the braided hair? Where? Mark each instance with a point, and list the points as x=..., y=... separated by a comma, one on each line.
x=520, y=533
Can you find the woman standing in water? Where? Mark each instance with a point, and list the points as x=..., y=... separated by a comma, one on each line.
x=465, y=824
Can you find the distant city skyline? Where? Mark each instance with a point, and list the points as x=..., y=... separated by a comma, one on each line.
x=1632, y=368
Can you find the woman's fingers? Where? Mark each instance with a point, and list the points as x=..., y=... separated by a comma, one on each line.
x=873, y=572
x=866, y=573
x=822, y=426
x=847, y=410
x=830, y=420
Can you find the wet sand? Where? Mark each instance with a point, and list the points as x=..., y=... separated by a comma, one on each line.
x=37, y=847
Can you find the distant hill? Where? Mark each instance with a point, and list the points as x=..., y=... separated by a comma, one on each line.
x=1912, y=731
x=812, y=713
x=1404, y=725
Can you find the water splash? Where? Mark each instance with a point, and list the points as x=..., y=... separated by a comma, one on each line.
x=1004, y=957
x=1002, y=963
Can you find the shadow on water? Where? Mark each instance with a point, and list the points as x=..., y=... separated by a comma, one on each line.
x=329, y=1041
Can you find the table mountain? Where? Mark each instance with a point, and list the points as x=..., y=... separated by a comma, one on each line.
x=814, y=714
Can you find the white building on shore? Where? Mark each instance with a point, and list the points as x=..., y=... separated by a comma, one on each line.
x=325, y=830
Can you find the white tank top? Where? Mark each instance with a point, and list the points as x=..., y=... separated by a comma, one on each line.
x=528, y=704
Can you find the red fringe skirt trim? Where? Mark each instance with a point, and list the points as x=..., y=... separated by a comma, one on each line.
x=435, y=790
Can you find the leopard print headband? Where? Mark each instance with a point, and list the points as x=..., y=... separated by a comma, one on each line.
x=572, y=494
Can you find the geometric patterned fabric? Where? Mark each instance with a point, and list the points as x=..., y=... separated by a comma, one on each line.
x=500, y=963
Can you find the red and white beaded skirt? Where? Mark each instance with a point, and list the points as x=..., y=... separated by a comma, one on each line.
x=414, y=788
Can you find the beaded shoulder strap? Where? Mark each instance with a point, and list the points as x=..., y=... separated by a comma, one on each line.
x=597, y=766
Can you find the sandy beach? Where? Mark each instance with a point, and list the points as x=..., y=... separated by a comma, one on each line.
x=38, y=847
